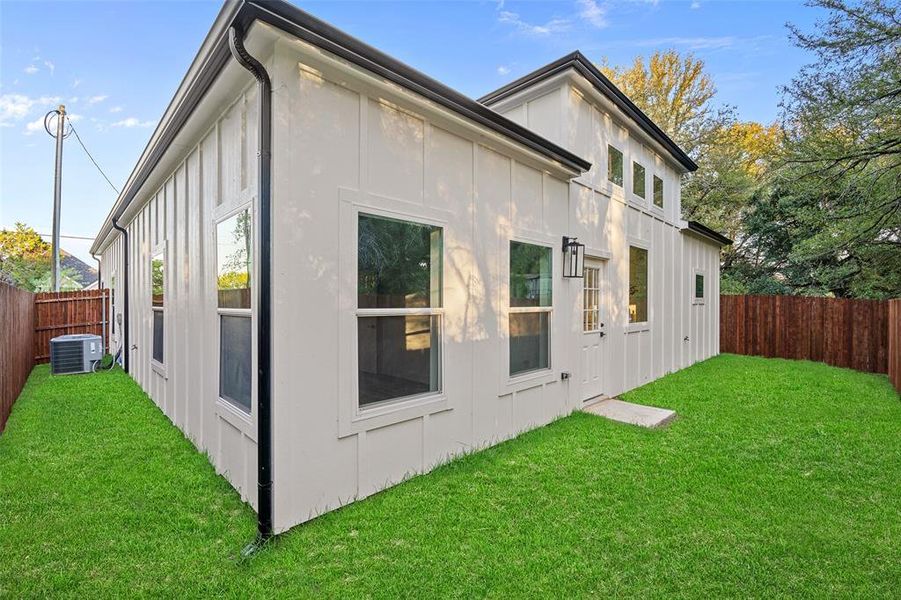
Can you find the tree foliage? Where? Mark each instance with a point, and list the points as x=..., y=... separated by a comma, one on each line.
x=25, y=261
x=813, y=203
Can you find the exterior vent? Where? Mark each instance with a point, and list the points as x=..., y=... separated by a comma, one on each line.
x=75, y=353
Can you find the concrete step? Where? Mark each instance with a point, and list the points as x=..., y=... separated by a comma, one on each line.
x=633, y=414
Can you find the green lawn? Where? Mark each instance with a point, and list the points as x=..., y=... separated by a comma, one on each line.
x=779, y=478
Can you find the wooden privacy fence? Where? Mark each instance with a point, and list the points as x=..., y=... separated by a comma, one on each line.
x=841, y=332
x=63, y=313
x=16, y=343
x=894, y=342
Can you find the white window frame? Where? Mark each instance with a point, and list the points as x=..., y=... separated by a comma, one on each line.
x=351, y=419
x=536, y=376
x=635, y=197
x=615, y=185
x=653, y=204
x=250, y=313
x=430, y=311
x=160, y=249
x=694, y=298
x=596, y=290
x=638, y=325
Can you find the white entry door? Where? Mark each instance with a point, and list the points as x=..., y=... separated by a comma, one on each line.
x=594, y=343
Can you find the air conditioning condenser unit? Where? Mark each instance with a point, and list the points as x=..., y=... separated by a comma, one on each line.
x=75, y=353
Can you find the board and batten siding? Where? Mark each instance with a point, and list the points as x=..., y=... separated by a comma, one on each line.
x=609, y=218
x=344, y=143
x=213, y=176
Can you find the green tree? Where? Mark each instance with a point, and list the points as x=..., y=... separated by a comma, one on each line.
x=839, y=185
x=25, y=261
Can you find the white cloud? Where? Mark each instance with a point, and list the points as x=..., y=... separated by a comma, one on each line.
x=31, y=70
x=15, y=107
x=695, y=5
x=116, y=109
x=37, y=125
x=503, y=70
x=130, y=122
x=97, y=99
x=591, y=12
x=553, y=26
x=76, y=82
x=50, y=66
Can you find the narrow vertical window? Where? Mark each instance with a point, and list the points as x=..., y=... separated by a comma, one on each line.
x=531, y=302
x=399, y=275
x=157, y=305
x=638, y=285
x=658, y=192
x=614, y=165
x=591, y=300
x=699, y=287
x=234, y=246
x=638, y=180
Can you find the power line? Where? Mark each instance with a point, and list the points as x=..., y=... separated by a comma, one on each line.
x=78, y=137
x=70, y=237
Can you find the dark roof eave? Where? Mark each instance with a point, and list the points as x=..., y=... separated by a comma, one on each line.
x=292, y=20
x=577, y=61
x=709, y=233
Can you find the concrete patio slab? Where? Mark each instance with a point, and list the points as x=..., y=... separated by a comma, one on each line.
x=634, y=414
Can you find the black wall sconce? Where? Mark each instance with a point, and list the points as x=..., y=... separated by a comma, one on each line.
x=573, y=257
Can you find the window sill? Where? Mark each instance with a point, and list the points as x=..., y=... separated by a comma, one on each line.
x=159, y=368
x=236, y=417
x=528, y=380
x=392, y=412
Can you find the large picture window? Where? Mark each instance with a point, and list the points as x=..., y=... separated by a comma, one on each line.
x=157, y=305
x=399, y=274
x=614, y=165
x=531, y=304
x=638, y=285
x=234, y=246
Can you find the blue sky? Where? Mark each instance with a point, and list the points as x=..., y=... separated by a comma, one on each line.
x=116, y=65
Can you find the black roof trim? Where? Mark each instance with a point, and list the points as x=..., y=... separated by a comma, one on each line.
x=576, y=60
x=303, y=25
x=707, y=232
x=290, y=19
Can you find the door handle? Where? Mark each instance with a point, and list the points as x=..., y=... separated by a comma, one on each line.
x=602, y=334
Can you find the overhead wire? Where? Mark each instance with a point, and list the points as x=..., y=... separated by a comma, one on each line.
x=83, y=147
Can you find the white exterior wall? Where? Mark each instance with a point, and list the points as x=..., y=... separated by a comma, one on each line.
x=345, y=142
x=609, y=218
x=215, y=174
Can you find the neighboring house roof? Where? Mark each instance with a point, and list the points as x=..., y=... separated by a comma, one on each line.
x=86, y=274
x=577, y=61
x=214, y=54
x=709, y=233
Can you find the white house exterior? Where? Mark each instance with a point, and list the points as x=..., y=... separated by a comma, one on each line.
x=417, y=307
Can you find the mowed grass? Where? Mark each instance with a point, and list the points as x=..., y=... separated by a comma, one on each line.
x=779, y=478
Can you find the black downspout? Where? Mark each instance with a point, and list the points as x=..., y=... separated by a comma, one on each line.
x=264, y=359
x=103, y=305
x=125, y=345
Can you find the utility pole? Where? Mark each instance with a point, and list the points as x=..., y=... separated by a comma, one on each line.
x=58, y=191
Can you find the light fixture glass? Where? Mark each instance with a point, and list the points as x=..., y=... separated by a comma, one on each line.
x=573, y=257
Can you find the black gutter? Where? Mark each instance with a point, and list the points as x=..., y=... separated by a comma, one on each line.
x=707, y=232
x=303, y=25
x=291, y=19
x=576, y=60
x=264, y=358
x=125, y=345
